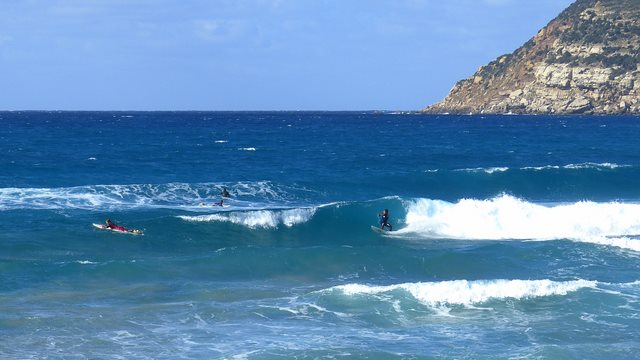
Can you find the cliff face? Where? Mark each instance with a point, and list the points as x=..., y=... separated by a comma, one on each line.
x=586, y=61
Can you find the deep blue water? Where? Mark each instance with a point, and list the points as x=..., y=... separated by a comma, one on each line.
x=514, y=236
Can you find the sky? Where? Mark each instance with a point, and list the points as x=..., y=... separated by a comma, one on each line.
x=252, y=54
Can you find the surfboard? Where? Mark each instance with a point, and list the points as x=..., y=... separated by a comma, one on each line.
x=377, y=229
x=104, y=227
x=214, y=205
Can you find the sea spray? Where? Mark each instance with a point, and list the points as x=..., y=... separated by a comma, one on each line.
x=507, y=217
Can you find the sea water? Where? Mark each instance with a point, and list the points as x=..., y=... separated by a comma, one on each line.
x=514, y=236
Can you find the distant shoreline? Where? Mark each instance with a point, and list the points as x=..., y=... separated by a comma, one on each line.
x=364, y=112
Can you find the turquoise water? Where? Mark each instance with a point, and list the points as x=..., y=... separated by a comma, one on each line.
x=515, y=237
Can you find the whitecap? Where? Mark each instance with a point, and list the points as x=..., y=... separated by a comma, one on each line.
x=464, y=292
x=489, y=170
x=590, y=165
x=507, y=217
x=258, y=218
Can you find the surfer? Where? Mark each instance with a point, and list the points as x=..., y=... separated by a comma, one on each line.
x=384, y=219
x=224, y=193
x=112, y=226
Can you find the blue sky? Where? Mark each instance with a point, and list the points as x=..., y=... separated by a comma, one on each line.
x=252, y=54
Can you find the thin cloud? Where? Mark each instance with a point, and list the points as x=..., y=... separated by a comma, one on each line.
x=218, y=30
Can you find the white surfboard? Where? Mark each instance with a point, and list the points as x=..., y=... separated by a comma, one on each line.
x=378, y=230
x=104, y=227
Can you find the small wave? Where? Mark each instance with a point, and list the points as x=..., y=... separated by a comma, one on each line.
x=258, y=218
x=85, y=262
x=540, y=168
x=490, y=170
x=464, y=292
x=579, y=166
x=507, y=217
x=247, y=149
x=595, y=166
x=221, y=141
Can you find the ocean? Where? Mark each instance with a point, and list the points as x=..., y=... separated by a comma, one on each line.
x=514, y=237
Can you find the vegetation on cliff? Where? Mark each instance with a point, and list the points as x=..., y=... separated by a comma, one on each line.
x=585, y=61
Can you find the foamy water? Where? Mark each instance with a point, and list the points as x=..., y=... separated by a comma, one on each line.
x=463, y=292
x=257, y=218
x=507, y=217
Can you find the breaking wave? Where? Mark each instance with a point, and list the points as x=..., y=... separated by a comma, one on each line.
x=464, y=292
x=580, y=166
x=507, y=217
x=258, y=218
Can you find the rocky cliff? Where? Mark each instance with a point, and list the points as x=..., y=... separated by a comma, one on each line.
x=586, y=61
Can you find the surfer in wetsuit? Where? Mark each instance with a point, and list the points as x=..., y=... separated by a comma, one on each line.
x=224, y=193
x=384, y=219
x=111, y=225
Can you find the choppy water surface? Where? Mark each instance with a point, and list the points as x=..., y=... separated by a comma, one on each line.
x=514, y=237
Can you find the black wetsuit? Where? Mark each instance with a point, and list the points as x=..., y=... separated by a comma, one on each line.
x=384, y=221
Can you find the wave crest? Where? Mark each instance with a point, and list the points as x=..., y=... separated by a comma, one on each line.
x=579, y=166
x=507, y=217
x=464, y=292
x=258, y=218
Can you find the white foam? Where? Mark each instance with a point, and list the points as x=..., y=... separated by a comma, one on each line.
x=55, y=198
x=258, y=218
x=172, y=195
x=507, y=217
x=540, y=168
x=247, y=149
x=631, y=284
x=622, y=242
x=464, y=292
x=587, y=165
x=590, y=165
x=257, y=188
x=489, y=170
